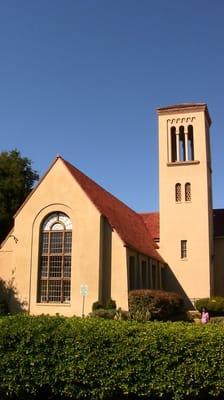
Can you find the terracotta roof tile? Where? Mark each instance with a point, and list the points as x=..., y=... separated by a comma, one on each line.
x=128, y=224
x=151, y=220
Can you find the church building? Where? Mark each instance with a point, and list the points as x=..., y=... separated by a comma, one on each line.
x=72, y=238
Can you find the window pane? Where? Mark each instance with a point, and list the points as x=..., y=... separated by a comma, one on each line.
x=66, y=291
x=178, y=192
x=182, y=148
x=56, y=242
x=57, y=227
x=54, y=291
x=43, y=266
x=190, y=143
x=66, y=220
x=67, y=266
x=173, y=144
x=188, y=192
x=68, y=242
x=44, y=243
x=55, y=266
x=183, y=249
x=49, y=221
x=43, y=291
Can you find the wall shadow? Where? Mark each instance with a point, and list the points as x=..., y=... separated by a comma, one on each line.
x=171, y=284
x=9, y=299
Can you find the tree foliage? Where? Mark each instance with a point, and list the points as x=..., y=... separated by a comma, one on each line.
x=16, y=181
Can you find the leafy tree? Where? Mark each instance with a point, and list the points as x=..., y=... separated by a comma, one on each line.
x=16, y=181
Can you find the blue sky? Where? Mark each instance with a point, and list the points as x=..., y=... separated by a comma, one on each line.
x=84, y=79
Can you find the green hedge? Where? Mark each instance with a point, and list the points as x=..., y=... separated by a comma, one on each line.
x=107, y=311
x=94, y=359
x=214, y=305
x=146, y=304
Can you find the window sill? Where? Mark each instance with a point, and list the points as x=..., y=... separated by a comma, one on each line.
x=184, y=259
x=177, y=163
x=54, y=304
x=183, y=202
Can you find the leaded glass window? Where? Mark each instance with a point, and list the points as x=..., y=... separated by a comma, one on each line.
x=178, y=192
x=188, y=192
x=54, y=283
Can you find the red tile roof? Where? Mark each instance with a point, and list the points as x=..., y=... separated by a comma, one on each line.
x=152, y=222
x=128, y=224
x=218, y=220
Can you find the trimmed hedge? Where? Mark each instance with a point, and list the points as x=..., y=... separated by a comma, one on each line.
x=108, y=311
x=146, y=304
x=62, y=358
x=214, y=305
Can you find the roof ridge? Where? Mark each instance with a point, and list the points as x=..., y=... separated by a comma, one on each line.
x=128, y=224
x=101, y=187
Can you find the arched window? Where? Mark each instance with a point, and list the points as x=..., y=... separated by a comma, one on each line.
x=190, y=143
x=178, y=192
x=187, y=191
x=173, y=144
x=54, y=281
x=182, y=150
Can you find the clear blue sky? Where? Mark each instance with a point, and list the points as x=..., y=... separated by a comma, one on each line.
x=84, y=78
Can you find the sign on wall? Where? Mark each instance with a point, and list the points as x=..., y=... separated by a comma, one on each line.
x=84, y=290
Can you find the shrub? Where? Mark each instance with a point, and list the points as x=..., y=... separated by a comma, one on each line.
x=108, y=311
x=214, y=305
x=193, y=316
x=111, y=305
x=217, y=320
x=122, y=315
x=104, y=313
x=4, y=310
x=154, y=304
x=97, y=306
x=60, y=358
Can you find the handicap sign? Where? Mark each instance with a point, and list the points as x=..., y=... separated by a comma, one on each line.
x=83, y=290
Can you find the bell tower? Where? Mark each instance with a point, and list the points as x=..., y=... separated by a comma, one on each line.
x=186, y=227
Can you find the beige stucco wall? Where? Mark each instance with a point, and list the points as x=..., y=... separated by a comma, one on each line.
x=119, y=278
x=6, y=251
x=58, y=191
x=7, y=268
x=186, y=220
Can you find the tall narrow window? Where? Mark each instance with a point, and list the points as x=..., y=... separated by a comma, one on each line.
x=183, y=249
x=187, y=191
x=190, y=143
x=178, y=192
x=173, y=144
x=144, y=275
x=182, y=151
x=54, y=283
x=153, y=276
x=131, y=272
